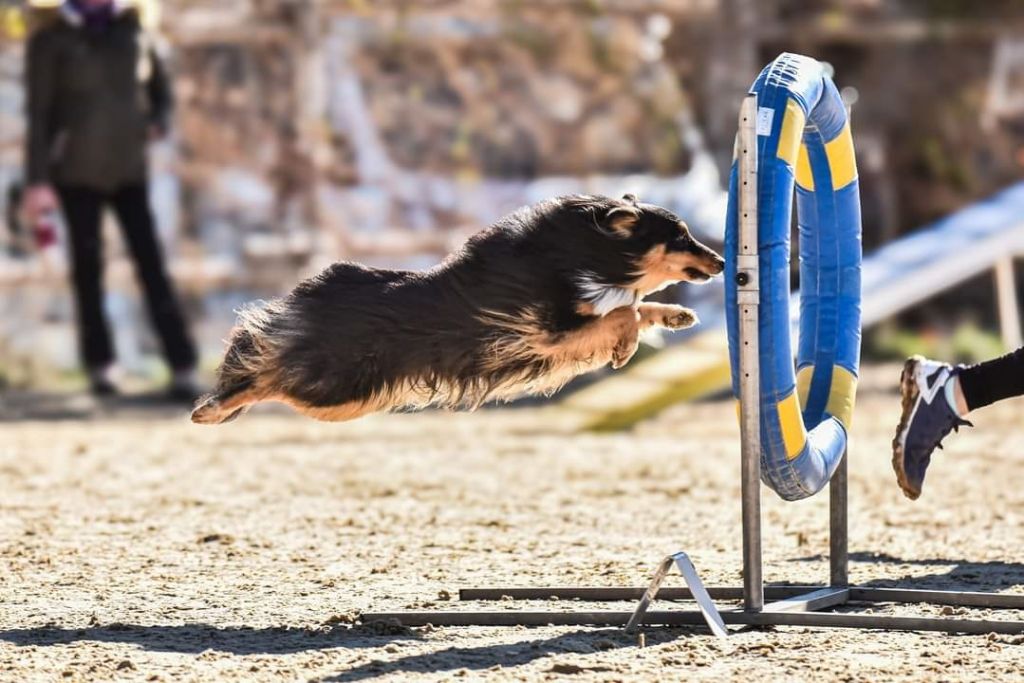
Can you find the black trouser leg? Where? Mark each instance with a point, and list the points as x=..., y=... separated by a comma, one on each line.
x=993, y=380
x=131, y=204
x=82, y=209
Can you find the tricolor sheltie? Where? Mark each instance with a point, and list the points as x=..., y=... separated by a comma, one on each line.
x=547, y=293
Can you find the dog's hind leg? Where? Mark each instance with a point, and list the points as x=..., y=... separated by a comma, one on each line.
x=225, y=405
x=336, y=413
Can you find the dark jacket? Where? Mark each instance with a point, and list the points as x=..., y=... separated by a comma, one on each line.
x=92, y=95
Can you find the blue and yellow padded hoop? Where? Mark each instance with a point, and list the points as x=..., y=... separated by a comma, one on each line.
x=803, y=135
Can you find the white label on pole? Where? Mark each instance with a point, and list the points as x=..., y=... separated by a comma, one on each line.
x=765, y=116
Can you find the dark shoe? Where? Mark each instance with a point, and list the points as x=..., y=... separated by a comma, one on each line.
x=926, y=420
x=101, y=385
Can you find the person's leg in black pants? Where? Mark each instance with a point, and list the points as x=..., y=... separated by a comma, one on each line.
x=993, y=380
x=82, y=210
x=131, y=204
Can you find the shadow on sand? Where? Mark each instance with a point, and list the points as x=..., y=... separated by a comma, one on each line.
x=962, y=574
x=195, y=638
x=476, y=659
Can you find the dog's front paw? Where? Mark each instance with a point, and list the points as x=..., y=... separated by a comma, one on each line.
x=624, y=350
x=680, y=319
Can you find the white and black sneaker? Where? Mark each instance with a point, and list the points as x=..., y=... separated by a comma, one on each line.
x=926, y=420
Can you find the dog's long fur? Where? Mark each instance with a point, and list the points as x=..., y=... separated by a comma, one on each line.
x=548, y=292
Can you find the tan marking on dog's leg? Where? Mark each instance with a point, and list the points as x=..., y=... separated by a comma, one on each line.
x=669, y=316
x=613, y=337
x=242, y=399
x=338, y=413
x=625, y=348
x=215, y=411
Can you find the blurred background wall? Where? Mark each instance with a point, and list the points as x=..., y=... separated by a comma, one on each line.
x=308, y=131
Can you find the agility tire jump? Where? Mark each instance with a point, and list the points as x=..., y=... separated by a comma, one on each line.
x=828, y=351
x=803, y=141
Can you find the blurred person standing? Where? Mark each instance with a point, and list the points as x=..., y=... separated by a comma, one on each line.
x=96, y=93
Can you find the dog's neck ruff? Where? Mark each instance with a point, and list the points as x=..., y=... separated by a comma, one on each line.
x=606, y=298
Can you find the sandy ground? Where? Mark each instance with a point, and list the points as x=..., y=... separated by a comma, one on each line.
x=154, y=550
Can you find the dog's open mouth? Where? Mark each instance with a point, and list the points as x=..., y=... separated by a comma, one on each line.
x=696, y=275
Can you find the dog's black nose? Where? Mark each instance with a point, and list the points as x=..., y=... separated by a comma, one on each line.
x=717, y=266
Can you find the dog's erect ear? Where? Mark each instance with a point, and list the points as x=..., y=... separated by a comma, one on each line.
x=621, y=220
x=629, y=198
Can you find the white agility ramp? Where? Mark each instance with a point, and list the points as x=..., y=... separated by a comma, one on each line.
x=983, y=236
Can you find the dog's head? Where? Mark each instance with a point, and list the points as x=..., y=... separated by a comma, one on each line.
x=644, y=247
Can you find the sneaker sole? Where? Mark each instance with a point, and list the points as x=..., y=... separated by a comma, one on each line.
x=910, y=392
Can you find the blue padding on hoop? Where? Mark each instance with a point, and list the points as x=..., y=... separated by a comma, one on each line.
x=803, y=433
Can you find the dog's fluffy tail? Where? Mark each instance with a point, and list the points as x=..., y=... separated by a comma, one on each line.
x=247, y=364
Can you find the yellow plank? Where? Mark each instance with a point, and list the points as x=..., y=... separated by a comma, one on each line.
x=641, y=390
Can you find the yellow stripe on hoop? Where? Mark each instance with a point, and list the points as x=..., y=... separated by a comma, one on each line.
x=803, y=383
x=842, y=395
x=841, y=160
x=804, y=175
x=792, y=423
x=792, y=132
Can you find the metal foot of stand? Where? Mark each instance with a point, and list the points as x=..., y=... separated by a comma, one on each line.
x=790, y=605
x=697, y=590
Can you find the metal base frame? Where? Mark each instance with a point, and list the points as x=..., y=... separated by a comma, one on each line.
x=790, y=605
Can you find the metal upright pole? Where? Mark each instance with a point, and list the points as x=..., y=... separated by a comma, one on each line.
x=748, y=300
x=838, y=556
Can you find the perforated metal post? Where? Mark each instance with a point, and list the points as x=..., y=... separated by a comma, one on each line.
x=748, y=299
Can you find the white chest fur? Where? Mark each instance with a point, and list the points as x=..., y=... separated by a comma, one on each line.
x=606, y=298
